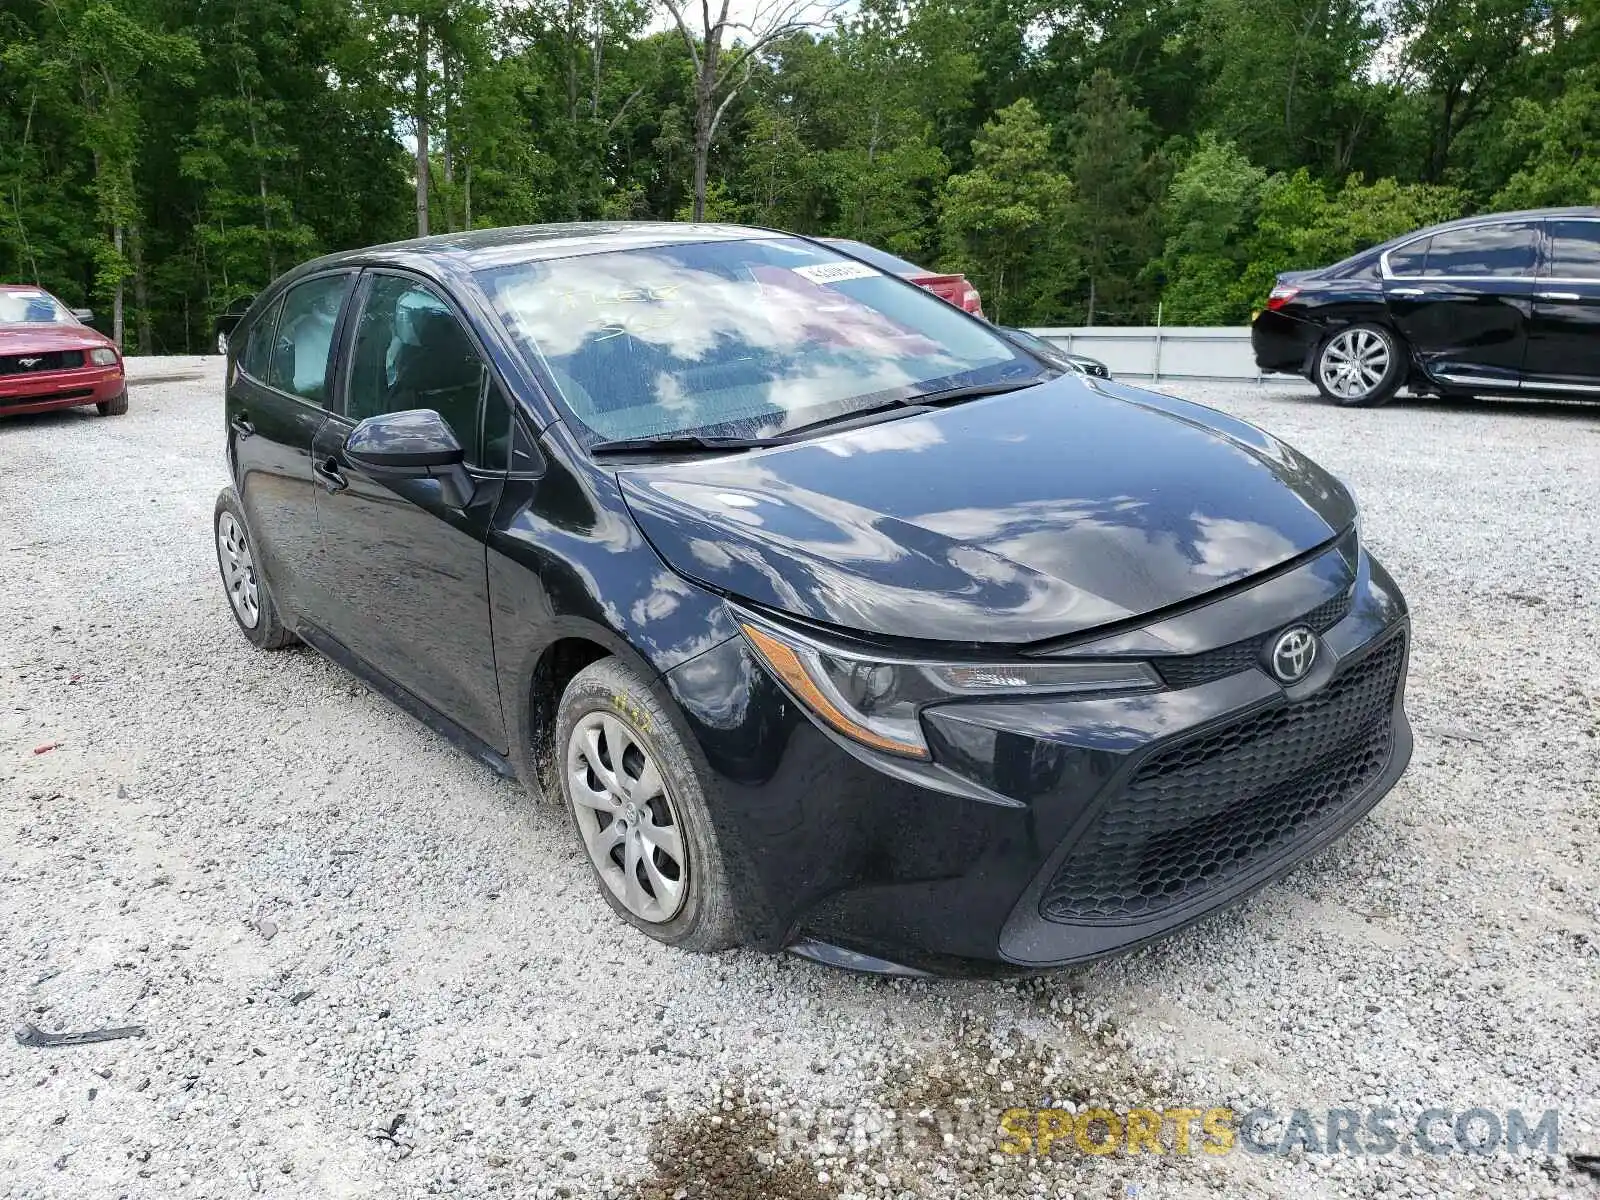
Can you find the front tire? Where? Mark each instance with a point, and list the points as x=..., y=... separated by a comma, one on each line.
x=242, y=581
x=1360, y=366
x=114, y=407
x=637, y=804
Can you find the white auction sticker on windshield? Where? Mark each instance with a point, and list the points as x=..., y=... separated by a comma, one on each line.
x=835, y=272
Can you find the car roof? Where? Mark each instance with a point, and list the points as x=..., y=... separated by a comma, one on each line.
x=478, y=248
x=1522, y=214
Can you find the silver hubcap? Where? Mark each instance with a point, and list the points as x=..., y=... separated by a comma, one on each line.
x=1354, y=364
x=627, y=818
x=222, y=343
x=238, y=571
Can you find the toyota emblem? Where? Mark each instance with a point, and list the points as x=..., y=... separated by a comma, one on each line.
x=1293, y=654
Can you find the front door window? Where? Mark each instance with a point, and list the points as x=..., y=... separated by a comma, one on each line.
x=411, y=351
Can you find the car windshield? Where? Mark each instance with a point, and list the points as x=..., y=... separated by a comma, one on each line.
x=29, y=307
x=737, y=338
x=881, y=259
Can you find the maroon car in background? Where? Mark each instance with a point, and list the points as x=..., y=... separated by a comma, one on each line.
x=49, y=357
x=957, y=289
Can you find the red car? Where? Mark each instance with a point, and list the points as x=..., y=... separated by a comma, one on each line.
x=50, y=359
x=954, y=288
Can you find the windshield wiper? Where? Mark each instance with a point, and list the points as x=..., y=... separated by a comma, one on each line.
x=974, y=390
x=907, y=406
x=690, y=443
x=677, y=444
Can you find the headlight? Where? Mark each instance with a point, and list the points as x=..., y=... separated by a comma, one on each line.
x=876, y=701
x=103, y=356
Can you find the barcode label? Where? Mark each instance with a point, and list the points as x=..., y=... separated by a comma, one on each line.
x=835, y=272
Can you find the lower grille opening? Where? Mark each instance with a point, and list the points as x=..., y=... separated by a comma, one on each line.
x=79, y=394
x=1197, y=815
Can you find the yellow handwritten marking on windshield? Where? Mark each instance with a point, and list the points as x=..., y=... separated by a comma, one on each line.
x=607, y=323
x=573, y=299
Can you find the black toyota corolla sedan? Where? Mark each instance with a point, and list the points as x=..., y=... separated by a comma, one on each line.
x=1504, y=304
x=837, y=621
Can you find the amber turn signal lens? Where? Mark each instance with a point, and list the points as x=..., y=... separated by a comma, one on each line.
x=786, y=664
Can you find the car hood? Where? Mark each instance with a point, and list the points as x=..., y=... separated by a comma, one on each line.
x=42, y=338
x=1014, y=519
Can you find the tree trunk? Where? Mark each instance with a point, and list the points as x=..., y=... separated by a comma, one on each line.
x=116, y=296
x=1090, y=321
x=466, y=187
x=141, y=290
x=261, y=188
x=449, y=81
x=704, y=100
x=422, y=126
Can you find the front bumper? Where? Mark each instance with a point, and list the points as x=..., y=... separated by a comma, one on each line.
x=46, y=390
x=1050, y=831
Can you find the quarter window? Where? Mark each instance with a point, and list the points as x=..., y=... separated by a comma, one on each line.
x=411, y=351
x=299, y=359
x=1575, y=249
x=1495, y=250
x=1410, y=258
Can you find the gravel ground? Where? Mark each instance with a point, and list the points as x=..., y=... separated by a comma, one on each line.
x=367, y=967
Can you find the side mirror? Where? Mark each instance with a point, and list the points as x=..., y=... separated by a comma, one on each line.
x=404, y=443
x=417, y=452
x=86, y=315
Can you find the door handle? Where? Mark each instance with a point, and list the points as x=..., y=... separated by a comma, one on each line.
x=329, y=476
x=1558, y=296
x=1405, y=291
x=241, y=425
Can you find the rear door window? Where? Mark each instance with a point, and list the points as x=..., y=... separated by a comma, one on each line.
x=304, y=339
x=1574, y=249
x=1501, y=251
x=258, y=345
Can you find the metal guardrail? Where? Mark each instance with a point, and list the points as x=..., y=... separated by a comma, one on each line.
x=1155, y=352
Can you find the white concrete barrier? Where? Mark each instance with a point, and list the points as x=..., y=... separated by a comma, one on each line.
x=1151, y=352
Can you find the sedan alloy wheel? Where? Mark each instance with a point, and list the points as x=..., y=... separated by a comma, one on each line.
x=626, y=816
x=1356, y=365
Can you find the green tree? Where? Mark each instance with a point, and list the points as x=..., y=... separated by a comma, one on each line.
x=1210, y=205
x=1001, y=220
x=1560, y=141
x=1112, y=217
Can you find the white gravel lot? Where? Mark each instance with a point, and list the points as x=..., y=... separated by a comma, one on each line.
x=440, y=954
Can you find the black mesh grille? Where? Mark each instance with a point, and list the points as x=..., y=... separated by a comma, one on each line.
x=1196, y=815
x=1195, y=669
x=51, y=360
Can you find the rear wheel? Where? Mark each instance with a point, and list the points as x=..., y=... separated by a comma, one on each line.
x=1360, y=366
x=247, y=594
x=635, y=798
x=115, y=406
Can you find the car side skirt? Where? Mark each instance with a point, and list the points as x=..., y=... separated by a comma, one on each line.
x=463, y=739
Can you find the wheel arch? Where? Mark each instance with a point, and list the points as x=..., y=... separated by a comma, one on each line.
x=571, y=645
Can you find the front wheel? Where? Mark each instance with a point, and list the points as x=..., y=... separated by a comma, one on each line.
x=222, y=344
x=1360, y=366
x=115, y=406
x=637, y=803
